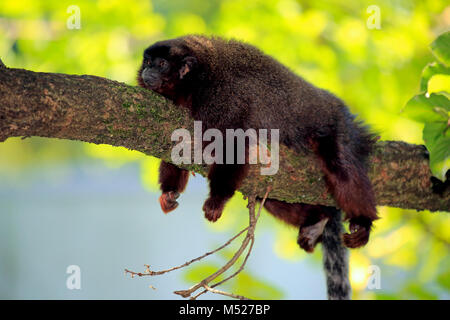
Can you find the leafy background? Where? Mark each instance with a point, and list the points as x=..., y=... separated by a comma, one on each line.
x=376, y=71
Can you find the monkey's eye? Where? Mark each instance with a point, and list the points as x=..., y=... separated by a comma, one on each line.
x=163, y=64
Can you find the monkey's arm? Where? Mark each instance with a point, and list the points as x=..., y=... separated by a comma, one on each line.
x=224, y=180
x=173, y=181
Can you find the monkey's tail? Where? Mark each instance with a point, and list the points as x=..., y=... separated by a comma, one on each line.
x=335, y=259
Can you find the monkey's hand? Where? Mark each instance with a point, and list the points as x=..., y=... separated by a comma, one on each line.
x=168, y=201
x=359, y=233
x=213, y=208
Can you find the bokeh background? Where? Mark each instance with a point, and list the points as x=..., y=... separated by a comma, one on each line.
x=70, y=203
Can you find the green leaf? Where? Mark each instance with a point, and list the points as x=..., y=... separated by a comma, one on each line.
x=433, y=131
x=437, y=140
x=428, y=109
x=439, y=83
x=440, y=156
x=441, y=48
x=429, y=71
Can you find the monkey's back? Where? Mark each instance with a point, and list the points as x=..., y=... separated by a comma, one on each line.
x=245, y=88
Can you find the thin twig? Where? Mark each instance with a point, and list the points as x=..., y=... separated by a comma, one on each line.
x=248, y=240
x=250, y=234
x=246, y=257
x=149, y=272
x=231, y=276
x=232, y=295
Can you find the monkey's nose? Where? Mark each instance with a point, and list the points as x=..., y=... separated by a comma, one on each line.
x=149, y=77
x=151, y=81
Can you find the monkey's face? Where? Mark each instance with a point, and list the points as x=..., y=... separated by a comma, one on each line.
x=165, y=68
x=155, y=72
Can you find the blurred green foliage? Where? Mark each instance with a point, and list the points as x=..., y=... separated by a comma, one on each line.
x=376, y=71
x=432, y=107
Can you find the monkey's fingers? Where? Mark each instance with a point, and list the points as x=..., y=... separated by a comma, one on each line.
x=357, y=237
x=213, y=209
x=168, y=201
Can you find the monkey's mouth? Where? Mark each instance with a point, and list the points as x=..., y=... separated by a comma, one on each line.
x=152, y=81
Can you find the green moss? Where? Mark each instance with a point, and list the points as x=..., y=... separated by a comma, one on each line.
x=145, y=111
x=311, y=180
x=196, y=167
x=155, y=134
x=107, y=121
x=129, y=89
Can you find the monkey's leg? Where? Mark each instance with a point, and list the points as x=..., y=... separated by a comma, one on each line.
x=311, y=220
x=173, y=181
x=310, y=235
x=347, y=179
x=291, y=213
x=224, y=179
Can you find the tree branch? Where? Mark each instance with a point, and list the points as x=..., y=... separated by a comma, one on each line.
x=248, y=241
x=97, y=110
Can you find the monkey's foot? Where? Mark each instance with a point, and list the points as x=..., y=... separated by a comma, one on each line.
x=358, y=236
x=309, y=236
x=168, y=201
x=213, y=208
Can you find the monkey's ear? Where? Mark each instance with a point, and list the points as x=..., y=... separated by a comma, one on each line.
x=187, y=66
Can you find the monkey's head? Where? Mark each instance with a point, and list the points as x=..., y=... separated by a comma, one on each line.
x=168, y=67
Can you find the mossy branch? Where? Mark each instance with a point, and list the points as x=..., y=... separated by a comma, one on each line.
x=98, y=110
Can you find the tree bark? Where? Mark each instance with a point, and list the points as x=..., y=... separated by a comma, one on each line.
x=98, y=110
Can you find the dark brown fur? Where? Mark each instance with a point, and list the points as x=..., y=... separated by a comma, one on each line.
x=173, y=181
x=228, y=84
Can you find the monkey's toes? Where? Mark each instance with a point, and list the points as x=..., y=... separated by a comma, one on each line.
x=309, y=236
x=168, y=201
x=213, y=209
x=306, y=243
x=357, y=237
